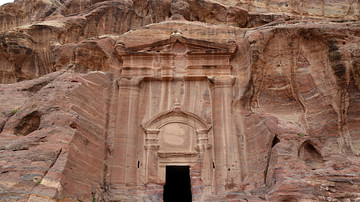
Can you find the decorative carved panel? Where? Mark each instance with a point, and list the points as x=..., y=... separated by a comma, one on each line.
x=177, y=137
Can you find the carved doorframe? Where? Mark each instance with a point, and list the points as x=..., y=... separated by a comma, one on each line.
x=156, y=161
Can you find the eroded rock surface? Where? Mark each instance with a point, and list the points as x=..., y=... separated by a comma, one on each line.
x=260, y=99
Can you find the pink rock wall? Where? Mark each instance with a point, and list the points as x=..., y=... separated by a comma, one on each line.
x=259, y=98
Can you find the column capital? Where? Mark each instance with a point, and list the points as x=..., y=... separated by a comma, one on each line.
x=151, y=147
x=203, y=131
x=221, y=81
x=149, y=131
x=130, y=82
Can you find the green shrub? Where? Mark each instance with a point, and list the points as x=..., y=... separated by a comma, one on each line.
x=14, y=111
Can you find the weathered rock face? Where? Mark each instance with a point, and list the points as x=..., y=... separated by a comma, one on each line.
x=348, y=10
x=256, y=100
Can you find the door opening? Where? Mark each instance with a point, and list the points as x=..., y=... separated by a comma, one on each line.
x=177, y=186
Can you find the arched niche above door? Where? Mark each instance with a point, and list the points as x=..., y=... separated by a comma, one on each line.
x=176, y=114
x=176, y=130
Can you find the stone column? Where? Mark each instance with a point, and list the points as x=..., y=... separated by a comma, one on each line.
x=225, y=137
x=203, y=147
x=125, y=159
x=151, y=148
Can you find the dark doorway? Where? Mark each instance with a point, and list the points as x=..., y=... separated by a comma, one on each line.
x=177, y=186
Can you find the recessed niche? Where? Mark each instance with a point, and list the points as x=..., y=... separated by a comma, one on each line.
x=28, y=124
x=310, y=155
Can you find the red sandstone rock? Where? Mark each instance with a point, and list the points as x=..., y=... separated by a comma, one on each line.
x=105, y=94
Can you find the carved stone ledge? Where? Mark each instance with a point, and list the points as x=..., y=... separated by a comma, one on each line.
x=176, y=154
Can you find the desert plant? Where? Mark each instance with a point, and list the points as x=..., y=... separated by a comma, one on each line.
x=14, y=111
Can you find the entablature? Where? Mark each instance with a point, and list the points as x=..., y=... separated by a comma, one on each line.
x=177, y=55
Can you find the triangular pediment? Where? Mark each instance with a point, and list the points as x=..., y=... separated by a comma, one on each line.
x=167, y=46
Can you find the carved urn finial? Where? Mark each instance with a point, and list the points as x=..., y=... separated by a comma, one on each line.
x=176, y=106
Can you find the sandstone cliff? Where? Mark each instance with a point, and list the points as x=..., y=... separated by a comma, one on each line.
x=294, y=103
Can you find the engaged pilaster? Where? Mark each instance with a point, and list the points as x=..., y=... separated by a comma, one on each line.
x=225, y=139
x=203, y=147
x=151, y=148
x=124, y=168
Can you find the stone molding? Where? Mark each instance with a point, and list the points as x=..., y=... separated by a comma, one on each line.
x=176, y=154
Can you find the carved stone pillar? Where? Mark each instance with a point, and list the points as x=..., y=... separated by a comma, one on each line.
x=151, y=148
x=203, y=147
x=225, y=138
x=124, y=167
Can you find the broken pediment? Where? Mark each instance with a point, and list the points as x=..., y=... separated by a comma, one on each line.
x=177, y=55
